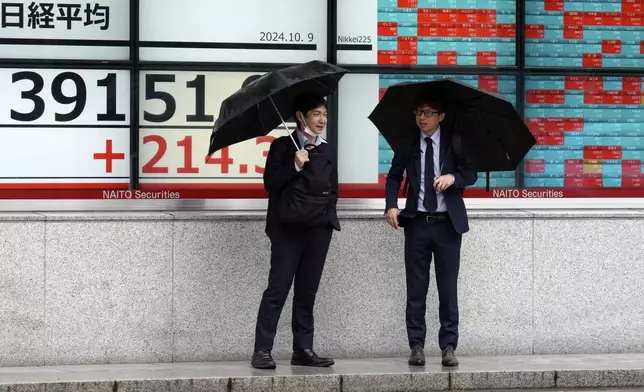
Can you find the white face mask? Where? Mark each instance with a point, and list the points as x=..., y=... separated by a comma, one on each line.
x=306, y=128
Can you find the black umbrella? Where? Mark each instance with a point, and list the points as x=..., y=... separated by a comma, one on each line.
x=261, y=105
x=493, y=133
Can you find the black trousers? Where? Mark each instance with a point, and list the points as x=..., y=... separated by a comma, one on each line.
x=297, y=254
x=425, y=237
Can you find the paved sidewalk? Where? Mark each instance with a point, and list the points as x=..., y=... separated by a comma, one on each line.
x=361, y=375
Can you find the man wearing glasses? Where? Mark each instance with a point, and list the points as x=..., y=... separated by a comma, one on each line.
x=434, y=220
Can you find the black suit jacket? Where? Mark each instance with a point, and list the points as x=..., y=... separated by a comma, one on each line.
x=280, y=170
x=407, y=159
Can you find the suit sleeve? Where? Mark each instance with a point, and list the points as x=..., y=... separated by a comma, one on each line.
x=394, y=179
x=334, y=181
x=280, y=167
x=464, y=175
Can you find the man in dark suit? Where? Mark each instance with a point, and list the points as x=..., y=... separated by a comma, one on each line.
x=298, y=252
x=434, y=220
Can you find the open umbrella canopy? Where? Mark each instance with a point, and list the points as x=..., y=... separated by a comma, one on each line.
x=493, y=132
x=259, y=107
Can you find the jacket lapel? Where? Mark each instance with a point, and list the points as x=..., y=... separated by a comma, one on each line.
x=415, y=156
x=445, y=140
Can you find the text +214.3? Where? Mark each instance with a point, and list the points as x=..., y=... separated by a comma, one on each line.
x=221, y=158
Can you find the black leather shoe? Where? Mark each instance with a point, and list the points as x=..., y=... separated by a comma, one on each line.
x=417, y=357
x=449, y=357
x=309, y=358
x=263, y=360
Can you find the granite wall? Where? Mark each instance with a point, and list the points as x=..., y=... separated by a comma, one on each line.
x=83, y=288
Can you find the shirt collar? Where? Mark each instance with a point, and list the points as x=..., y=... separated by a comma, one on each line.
x=436, y=137
x=304, y=141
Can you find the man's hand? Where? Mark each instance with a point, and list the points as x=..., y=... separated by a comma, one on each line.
x=392, y=217
x=443, y=182
x=301, y=157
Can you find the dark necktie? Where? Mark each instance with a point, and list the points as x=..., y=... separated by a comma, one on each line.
x=429, y=201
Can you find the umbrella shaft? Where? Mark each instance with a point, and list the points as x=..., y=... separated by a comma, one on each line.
x=284, y=122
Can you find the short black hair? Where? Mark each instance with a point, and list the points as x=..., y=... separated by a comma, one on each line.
x=307, y=102
x=430, y=101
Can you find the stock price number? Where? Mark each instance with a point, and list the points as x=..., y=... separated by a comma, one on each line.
x=221, y=163
x=32, y=87
x=154, y=90
x=273, y=36
x=176, y=128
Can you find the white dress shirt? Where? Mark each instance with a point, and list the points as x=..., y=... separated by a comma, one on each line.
x=436, y=145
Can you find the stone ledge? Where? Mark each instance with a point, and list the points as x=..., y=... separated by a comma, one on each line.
x=237, y=215
x=472, y=214
x=342, y=214
x=355, y=375
x=106, y=216
x=86, y=216
x=20, y=216
x=587, y=213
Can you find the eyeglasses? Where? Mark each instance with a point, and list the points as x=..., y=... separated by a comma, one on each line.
x=425, y=112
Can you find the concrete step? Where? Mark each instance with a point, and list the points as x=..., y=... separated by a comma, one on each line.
x=552, y=372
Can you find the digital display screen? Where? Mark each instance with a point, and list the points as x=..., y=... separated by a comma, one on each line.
x=251, y=31
x=64, y=128
x=589, y=130
x=427, y=32
x=370, y=164
x=589, y=33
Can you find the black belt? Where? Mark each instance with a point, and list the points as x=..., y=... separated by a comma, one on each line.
x=431, y=217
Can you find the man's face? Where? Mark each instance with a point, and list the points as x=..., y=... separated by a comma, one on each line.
x=316, y=119
x=428, y=118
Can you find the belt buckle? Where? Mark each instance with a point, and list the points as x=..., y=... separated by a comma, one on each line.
x=434, y=218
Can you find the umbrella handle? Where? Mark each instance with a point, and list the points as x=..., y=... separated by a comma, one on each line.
x=284, y=122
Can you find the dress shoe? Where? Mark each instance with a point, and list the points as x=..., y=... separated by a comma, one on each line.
x=309, y=358
x=263, y=360
x=449, y=357
x=417, y=357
